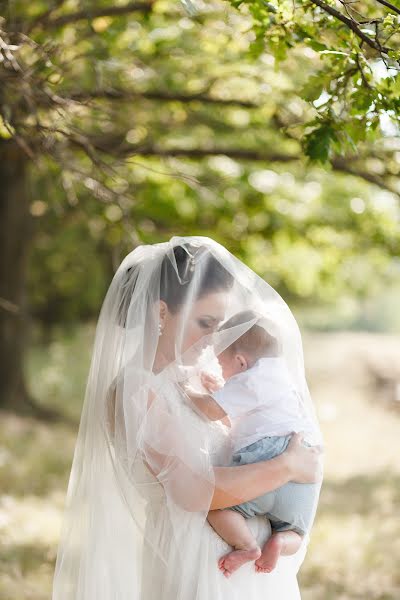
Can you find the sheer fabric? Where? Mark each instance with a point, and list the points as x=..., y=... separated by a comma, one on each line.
x=142, y=478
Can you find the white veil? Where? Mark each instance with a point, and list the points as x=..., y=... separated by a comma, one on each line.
x=137, y=434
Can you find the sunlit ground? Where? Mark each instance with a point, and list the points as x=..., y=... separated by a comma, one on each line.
x=355, y=546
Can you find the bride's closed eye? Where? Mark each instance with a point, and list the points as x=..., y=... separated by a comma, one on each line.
x=206, y=324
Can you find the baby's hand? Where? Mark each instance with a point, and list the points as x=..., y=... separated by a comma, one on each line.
x=212, y=383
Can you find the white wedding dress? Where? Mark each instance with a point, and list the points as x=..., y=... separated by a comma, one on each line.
x=209, y=583
x=128, y=535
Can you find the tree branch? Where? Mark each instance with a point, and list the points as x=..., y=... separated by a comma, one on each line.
x=389, y=5
x=118, y=147
x=123, y=149
x=44, y=17
x=353, y=25
x=87, y=14
x=153, y=95
x=340, y=163
x=345, y=166
x=111, y=11
x=9, y=306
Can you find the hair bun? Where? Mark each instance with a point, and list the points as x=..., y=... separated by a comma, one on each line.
x=184, y=261
x=181, y=255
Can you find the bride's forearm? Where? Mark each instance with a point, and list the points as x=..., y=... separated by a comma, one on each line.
x=234, y=485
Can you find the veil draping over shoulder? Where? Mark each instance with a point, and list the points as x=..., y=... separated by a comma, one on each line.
x=142, y=477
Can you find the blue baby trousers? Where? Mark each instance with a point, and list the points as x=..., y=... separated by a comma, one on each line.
x=290, y=507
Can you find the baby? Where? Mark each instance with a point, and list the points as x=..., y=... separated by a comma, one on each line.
x=264, y=409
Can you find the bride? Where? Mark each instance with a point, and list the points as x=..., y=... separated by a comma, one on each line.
x=148, y=466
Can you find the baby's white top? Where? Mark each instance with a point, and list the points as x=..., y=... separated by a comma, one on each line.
x=261, y=402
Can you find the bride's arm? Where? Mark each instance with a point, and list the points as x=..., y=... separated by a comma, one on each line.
x=237, y=484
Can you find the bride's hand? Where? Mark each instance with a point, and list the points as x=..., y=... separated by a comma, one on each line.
x=305, y=462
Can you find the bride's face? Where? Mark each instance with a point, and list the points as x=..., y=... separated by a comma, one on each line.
x=202, y=319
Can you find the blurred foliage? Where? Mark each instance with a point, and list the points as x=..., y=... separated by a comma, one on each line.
x=145, y=120
x=314, y=238
x=355, y=85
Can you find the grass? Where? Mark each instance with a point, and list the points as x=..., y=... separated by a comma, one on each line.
x=355, y=543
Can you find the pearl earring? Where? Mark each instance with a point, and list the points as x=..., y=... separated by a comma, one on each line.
x=160, y=329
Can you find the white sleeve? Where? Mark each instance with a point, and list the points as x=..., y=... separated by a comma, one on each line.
x=236, y=398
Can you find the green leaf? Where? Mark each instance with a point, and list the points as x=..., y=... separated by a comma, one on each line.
x=317, y=144
x=313, y=88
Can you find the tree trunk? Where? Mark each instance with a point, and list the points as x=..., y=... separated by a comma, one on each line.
x=15, y=240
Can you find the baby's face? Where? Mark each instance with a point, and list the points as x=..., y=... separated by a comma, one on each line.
x=231, y=364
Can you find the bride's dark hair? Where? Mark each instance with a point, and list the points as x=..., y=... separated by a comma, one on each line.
x=177, y=272
x=175, y=282
x=175, y=278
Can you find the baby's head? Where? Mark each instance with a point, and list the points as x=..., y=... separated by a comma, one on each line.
x=243, y=353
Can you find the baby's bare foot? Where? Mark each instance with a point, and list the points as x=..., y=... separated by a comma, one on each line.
x=229, y=563
x=270, y=554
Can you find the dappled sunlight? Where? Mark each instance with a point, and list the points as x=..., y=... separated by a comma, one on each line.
x=356, y=537
x=31, y=520
x=35, y=463
x=353, y=414
x=29, y=530
x=355, y=542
